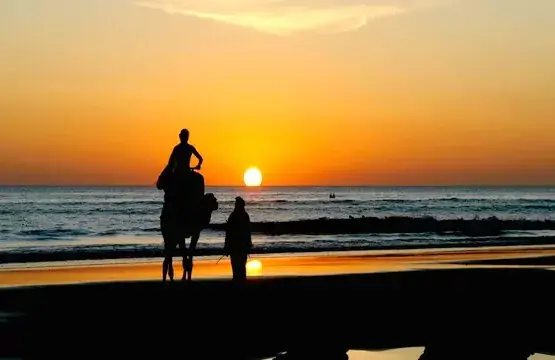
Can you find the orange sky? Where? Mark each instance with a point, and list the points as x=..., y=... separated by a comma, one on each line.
x=438, y=92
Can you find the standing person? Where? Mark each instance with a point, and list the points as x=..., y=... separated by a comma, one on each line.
x=238, y=242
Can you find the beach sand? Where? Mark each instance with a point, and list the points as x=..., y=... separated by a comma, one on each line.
x=284, y=265
x=364, y=301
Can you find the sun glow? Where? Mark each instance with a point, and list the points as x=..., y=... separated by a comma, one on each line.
x=254, y=267
x=252, y=177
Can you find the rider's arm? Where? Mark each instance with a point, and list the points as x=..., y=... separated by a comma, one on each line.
x=198, y=156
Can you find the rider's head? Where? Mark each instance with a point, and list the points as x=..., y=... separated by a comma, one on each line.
x=184, y=135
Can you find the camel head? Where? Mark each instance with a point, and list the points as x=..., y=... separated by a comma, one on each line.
x=210, y=202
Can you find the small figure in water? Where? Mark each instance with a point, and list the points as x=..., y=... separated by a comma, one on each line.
x=238, y=242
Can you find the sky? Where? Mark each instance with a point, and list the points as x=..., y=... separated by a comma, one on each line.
x=312, y=92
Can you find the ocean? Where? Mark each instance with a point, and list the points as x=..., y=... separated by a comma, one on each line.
x=77, y=223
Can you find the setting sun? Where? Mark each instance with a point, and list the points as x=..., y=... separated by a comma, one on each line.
x=254, y=267
x=253, y=177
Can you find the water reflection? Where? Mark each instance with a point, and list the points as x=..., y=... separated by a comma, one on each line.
x=410, y=354
x=397, y=354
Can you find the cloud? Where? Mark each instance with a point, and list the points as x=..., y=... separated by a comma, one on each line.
x=285, y=17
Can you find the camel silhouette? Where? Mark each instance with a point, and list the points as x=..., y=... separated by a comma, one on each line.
x=186, y=212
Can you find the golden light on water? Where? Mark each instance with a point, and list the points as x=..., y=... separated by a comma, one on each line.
x=254, y=267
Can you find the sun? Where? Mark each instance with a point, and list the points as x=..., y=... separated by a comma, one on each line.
x=254, y=267
x=253, y=177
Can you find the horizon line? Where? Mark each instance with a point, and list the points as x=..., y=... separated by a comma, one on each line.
x=281, y=186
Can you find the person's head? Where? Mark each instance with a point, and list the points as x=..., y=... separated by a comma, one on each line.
x=184, y=135
x=239, y=203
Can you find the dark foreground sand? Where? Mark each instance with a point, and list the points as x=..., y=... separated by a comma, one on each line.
x=465, y=313
x=548, y=261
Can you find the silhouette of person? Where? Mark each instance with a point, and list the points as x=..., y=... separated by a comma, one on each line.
x=180, y=158
x=238, y=242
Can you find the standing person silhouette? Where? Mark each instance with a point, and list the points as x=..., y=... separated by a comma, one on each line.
x=238, y=242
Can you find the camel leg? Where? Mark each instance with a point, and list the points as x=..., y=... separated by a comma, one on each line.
x=189, y=265
x=183, y=248
x=167, y=266
x=194, y=240
x=164, y=270
x=184, y=262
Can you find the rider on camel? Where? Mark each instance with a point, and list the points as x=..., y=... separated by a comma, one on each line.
x=183, y=194
x=180, y=158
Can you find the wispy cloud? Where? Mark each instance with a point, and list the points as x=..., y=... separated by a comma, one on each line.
x=287, y=17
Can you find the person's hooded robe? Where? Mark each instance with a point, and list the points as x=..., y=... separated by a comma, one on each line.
x=238, y=231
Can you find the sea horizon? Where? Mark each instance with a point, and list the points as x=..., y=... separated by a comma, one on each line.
x=40, y=222
x=254, y=188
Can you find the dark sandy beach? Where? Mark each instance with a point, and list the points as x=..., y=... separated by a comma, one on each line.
x=329, y=263
x=548, y=261
x=456, y=313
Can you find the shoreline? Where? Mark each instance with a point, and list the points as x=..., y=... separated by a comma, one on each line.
x=206, y=250
x=272, y=265
x=369, y=252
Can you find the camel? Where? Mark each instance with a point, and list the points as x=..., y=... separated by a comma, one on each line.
x=183, y=216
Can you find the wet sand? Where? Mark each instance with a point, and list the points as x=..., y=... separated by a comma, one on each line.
x=285, y=265
x=324, y=303
x=546, y=261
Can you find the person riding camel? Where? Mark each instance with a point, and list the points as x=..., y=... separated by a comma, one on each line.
x=183, y=195
x=180, y=158
x=179, y=164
